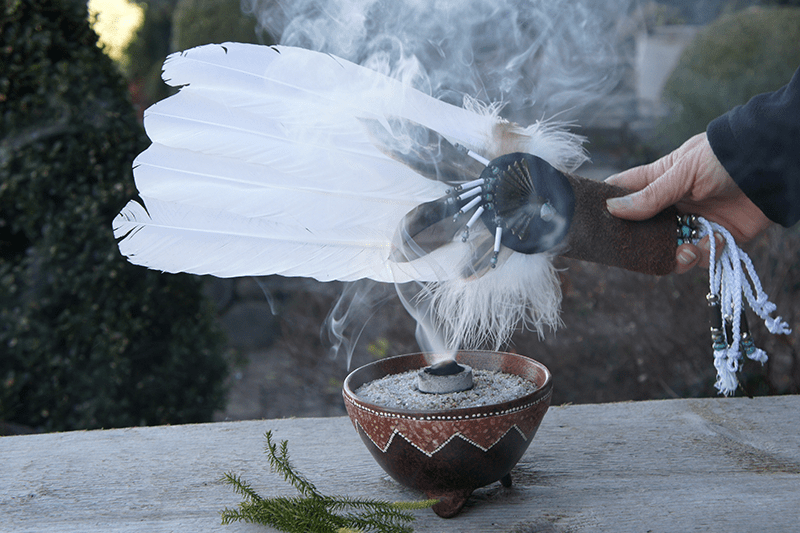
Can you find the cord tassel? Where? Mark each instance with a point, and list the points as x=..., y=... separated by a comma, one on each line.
x=732, y=282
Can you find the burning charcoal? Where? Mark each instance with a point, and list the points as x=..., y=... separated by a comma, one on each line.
x=443, y=377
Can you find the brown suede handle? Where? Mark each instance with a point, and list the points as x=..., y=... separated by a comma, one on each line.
x=597, y=236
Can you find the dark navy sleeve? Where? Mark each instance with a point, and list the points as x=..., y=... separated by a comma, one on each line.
x=758, y=143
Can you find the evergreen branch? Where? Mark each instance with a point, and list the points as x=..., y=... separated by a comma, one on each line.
x=241, y=487
x=379, y=522
x=340, y=503
x=415, y=506
x=312, y=512
x=279, y=462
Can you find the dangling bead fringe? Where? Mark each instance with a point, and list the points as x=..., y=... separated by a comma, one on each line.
x=731, y=275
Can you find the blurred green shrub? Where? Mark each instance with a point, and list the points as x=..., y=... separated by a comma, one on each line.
x=197, y=22
x=733, y=59
x=172, y=25
x=86, y=339
x=146, y=52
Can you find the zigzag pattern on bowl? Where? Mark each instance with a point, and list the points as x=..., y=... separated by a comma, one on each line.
x=430, y=432
x=445, y=443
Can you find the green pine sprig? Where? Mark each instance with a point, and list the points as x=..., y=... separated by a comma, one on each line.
x=311, y=511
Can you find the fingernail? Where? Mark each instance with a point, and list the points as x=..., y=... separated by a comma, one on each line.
x=686, y=257
x=720, y=241
x=618, y=203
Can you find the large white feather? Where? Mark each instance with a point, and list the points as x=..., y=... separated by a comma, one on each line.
x=262, y=164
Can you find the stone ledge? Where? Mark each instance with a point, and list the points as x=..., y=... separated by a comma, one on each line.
x=671, y=465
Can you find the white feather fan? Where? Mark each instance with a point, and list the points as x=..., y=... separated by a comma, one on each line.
x=273, y=160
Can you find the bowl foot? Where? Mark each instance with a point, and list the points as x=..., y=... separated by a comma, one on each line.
x=506, y=480
x=450, y=502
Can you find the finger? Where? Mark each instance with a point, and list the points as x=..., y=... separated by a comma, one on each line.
x=645, y=203
x=637, y=178
x=666, y=190
x=687, y=257
x=705, y=249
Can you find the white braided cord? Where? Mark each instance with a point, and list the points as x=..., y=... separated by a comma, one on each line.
x=733, y=278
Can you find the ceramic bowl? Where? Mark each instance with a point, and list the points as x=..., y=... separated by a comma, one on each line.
x=449, y=453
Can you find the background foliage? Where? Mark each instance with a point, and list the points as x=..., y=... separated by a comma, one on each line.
x=172, y=25
x=87, y=339
x=736, y=57
x=197, y=22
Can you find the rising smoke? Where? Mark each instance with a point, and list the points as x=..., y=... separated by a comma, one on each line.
x=538, y=59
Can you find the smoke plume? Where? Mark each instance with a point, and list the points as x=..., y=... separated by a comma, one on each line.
x=540, y=58
x=534, y=59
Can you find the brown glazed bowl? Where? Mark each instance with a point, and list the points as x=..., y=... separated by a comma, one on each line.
x=449, y=453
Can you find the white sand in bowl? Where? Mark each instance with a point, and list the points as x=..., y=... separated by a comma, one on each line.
x=399, y=391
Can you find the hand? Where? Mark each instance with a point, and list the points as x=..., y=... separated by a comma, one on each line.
x=692, y=179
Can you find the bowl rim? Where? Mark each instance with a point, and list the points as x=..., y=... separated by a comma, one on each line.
x=542, y=393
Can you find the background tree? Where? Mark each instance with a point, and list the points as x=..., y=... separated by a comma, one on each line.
x=172, y=25
x=86, y=339
x=197, y=22
x=146, y=53
x=736, y=57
